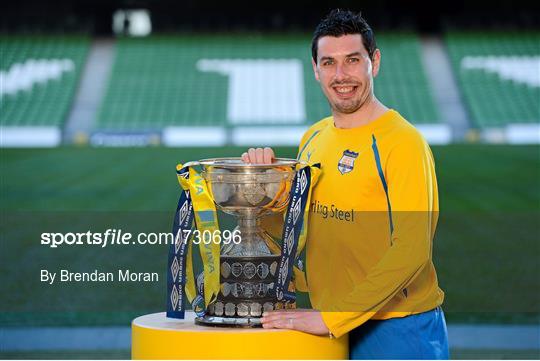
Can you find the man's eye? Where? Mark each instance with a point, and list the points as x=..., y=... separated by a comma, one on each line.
x=354, y=60
x=328, y=62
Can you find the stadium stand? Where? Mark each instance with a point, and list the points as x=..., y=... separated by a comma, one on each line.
x=402, y=82
x=160, y=81
x=38, y=76
x=499, y=76
x=216, y=81
x=195, y=88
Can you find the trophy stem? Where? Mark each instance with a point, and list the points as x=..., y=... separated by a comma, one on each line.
x=248, y=224
x=254, y=240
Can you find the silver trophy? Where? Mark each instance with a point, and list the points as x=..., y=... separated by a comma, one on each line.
x=248, y=270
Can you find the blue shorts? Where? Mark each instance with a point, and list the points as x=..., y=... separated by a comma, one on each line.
x=419, y=336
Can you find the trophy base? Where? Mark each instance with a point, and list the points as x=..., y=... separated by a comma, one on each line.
x=215, y=321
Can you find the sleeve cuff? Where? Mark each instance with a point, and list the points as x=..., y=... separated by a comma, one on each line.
x=340, y=323
x=332, y=322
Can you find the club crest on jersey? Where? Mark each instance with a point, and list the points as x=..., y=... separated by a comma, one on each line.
x=346, y=163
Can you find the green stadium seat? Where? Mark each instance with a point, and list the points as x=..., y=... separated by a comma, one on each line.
x=156, y=81
x=494, y=100
x=43, y=102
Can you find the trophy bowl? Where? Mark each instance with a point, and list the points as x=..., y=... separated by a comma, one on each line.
x=247, y=268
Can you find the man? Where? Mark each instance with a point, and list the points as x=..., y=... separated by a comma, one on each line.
x=373, y=213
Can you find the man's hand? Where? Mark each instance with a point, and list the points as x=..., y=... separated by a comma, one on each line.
x=309, y=321
x=259, y=156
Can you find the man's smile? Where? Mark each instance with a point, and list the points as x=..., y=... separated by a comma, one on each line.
x=345, y=91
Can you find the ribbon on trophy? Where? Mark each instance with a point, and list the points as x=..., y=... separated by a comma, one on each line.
x=295, y=231
x=196, y=205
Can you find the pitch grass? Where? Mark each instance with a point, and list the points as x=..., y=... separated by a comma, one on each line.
x=486, y=248
x=455, y=354
x=67, y=355
x=471, y=177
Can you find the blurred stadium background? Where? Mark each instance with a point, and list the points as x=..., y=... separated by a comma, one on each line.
x=100, y=100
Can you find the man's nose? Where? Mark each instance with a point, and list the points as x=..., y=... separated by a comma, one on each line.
x=340, y=73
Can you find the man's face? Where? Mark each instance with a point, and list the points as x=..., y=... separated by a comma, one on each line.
x=345, y=71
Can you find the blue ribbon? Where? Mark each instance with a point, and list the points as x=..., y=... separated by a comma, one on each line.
x=294, y=220
x=176, y=270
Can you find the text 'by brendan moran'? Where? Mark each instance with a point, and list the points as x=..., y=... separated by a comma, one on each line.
x=122, y=275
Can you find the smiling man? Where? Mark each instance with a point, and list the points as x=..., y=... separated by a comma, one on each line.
x=373, y=214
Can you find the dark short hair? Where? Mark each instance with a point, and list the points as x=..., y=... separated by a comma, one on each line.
x=344, y=22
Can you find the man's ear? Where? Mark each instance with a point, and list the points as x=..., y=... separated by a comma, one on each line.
x=315, y=70
x=376, y=62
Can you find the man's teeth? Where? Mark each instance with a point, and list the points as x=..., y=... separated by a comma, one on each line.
x=346, y=89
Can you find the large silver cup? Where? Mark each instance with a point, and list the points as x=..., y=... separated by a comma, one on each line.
x=248, y=270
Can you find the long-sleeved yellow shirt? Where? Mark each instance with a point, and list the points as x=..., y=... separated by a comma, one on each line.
x=372, y=220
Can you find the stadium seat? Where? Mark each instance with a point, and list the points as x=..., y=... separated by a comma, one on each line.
x=39, y=76
x=499, y=75
x=190, y=80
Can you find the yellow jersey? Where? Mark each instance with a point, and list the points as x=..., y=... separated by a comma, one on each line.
x=372, y=219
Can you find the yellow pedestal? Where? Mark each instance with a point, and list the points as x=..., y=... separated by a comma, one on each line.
x=155, y=336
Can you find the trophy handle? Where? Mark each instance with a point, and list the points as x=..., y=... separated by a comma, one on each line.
x=192, y=163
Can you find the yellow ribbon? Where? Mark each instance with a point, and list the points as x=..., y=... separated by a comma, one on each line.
x=207, y=228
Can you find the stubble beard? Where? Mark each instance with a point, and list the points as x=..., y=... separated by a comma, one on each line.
x=347, y=107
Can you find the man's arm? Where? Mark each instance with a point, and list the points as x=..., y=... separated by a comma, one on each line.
x=412, y=191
